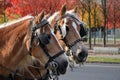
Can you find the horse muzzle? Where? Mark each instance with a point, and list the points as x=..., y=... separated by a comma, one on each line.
x=81, y=57
x=62, y=64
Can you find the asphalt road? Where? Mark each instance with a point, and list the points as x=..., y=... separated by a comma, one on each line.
x=96, y=71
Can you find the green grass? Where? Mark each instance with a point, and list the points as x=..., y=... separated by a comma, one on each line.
x=103, y=59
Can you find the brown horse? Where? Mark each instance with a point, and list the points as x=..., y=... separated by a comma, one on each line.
x=82, y=31
x=66, y=29
x=24, y=42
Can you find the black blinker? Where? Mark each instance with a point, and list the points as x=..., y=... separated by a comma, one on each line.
x=83, y=30
x=44, y=38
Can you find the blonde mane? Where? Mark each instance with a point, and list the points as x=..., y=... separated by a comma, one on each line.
x=52, y=17
x=15, y=21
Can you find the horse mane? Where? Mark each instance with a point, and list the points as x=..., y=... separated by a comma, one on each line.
x=52, y=19
x=57, y=15
x=15, y=21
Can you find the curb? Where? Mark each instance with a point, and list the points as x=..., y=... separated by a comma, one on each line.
x=103, y=62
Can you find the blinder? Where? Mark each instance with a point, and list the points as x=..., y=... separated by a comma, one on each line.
x=44, y=39
x=83, y=30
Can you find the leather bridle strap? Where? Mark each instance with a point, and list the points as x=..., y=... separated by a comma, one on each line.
x=33, y=29
x=72, y=44
x=41, y=24
x=51, y=58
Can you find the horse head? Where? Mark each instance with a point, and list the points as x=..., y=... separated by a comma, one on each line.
x=45, y=47
x=81, y=28
x=66, y=29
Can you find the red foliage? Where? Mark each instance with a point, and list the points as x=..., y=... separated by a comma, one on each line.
x=33, y=7
x=113, y=14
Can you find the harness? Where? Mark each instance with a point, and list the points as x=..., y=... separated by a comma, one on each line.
x=43, y=46
x=56, y=27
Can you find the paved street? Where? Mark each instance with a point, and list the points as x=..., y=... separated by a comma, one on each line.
x=94, y=71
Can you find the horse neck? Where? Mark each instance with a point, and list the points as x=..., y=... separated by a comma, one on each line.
x=12, y=45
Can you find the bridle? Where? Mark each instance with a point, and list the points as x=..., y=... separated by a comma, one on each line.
x=33, y=35
x=56, y=27
x=43, y=46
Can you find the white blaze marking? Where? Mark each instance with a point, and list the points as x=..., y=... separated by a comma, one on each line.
x=75, y=27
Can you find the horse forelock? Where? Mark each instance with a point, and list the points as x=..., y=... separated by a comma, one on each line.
x=54, y=17
x=71, y=12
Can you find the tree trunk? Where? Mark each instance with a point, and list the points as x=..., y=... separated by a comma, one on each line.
x=105, y=16
x=89, y=19
x=114, y=24
x=95, y=6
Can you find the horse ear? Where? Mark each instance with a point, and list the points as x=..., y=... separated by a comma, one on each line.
x=75, y=9
x=35, y=20
x=63, y=10
x=40, y=16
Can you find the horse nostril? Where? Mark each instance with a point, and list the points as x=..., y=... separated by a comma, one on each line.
x=65, y=64
x=83, y=55
x=63, y=67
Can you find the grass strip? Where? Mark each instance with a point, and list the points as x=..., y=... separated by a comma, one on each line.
x=103, y=59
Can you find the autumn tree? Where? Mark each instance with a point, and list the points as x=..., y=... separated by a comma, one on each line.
x=3, y=5
x=24, y=7
x=87, y=6
x=113, y=15
x=95, y=19
x=104, y=10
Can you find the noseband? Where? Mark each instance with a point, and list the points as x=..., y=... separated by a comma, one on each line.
x=64, y=39
x=43, y=46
